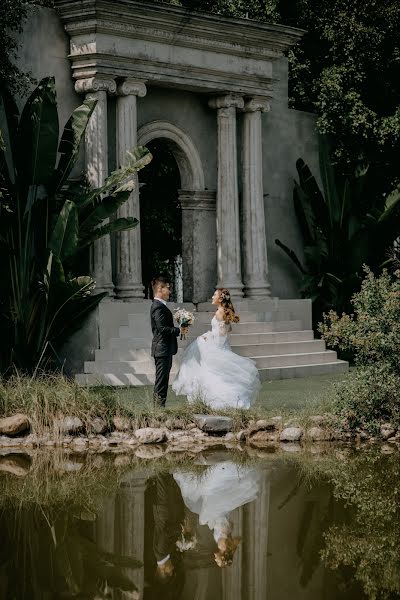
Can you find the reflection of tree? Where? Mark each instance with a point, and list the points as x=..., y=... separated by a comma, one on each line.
x=369, y=541
x=53, y=553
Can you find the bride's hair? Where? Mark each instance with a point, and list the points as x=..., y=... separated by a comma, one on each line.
x=229, y=312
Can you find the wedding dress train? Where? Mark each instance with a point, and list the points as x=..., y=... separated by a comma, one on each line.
x=211, y=372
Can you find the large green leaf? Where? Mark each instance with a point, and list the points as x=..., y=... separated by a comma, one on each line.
x=64, y=237
x=121, y=179
x=70, y=142
x=121, y=224
x=391, y=204
x=304, y=213
x=292, y=255
x=328, y=181
x=38, y=135
x=105, y=208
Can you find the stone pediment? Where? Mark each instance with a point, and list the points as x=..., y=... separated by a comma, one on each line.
x=173, y=47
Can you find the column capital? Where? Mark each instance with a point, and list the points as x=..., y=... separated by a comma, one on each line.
x=99, y=83
x=257, y=103
x=226, y=101
x=132, y=87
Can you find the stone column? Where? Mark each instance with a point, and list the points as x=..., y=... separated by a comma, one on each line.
x=228, y=228
x=96, y=156
x=255, y=263
x=198, y=257
x=128, y=263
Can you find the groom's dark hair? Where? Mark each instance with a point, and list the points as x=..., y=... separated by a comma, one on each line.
x=159, y=280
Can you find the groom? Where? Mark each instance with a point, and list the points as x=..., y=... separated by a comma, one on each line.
x=164, y=344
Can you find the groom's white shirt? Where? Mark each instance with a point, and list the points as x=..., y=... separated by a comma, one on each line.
x=161, y=300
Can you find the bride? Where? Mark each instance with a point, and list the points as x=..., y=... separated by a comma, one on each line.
x=210, y=371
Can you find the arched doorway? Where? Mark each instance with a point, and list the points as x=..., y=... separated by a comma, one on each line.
x=161, y=218
x=179, y=178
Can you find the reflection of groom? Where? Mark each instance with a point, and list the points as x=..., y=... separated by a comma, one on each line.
x=164, y=344
x=164, y=516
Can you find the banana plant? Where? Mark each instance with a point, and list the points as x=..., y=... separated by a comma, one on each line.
x=343, y=228
x=46, y=225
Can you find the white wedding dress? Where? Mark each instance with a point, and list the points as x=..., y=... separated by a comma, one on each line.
x=211, y=372
x=217, y=492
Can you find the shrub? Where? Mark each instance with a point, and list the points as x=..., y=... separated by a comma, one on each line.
x=372, y=394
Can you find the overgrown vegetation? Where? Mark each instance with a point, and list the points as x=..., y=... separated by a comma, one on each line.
x=344, y=227
x=372, y=333
x=46, y=227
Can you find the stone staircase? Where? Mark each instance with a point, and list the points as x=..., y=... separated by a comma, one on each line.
x=276, y=334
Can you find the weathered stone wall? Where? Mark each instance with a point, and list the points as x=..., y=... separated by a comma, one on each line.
x=287, y=134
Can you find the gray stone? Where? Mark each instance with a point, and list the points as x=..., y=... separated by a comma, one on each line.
x=263, y=437
x=230, y=437
x=214, y=423
x=264, y=424
x=318, y=434
x=14, y=425
x=98, y=425
x=69, y=425
x=150, y=435
x=291, y=434
x=387, y=431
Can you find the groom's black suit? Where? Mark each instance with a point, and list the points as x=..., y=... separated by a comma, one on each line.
x=163, y=347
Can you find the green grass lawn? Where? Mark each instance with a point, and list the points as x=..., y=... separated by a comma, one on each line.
x=286, y=395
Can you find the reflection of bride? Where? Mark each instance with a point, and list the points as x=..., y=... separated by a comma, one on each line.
x=211, y=372
x=214, y=495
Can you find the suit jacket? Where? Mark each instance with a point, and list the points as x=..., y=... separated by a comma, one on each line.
x=164, y=333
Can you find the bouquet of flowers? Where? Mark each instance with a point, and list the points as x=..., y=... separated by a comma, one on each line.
x=184, y=318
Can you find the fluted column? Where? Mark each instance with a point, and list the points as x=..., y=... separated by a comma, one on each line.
x=96, y=156
x=228, y=228
x=128, y=271
x=255, y=262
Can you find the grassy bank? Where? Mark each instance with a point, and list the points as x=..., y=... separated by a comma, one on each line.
x=47, y=398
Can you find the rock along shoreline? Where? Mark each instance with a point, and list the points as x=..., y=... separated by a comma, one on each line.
x=194, y=435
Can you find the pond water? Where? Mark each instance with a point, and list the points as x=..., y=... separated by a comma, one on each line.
x=222, y=525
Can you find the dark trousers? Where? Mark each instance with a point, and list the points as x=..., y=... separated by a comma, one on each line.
x=163, y=368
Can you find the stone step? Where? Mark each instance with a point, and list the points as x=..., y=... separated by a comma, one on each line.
x=293, y=360
x=309, y=370
x=270, y=349
x=127, y=355
x=136, y=343
x=115, y=380
x=146, y=365
x=138, y=367
x=267, y=374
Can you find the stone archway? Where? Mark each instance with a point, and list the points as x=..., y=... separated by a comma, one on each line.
x=183, y=149
x=198, y=210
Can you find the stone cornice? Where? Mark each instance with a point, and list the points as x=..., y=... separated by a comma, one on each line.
x=205, y=52
x=178, y=25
